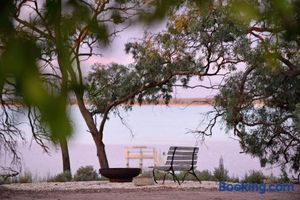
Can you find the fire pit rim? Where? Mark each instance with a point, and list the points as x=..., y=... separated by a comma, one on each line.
x=120, y=174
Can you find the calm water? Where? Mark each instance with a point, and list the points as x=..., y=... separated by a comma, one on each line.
x=154, y=126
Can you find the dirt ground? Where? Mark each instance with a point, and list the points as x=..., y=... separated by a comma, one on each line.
x=144, y=194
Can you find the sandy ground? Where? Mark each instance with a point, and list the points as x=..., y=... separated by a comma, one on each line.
x=128, y=191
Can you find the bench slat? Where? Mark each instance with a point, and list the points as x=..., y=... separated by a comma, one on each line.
x=186, y=157
x=183, y=148
x=175, y=162
x=170, y=153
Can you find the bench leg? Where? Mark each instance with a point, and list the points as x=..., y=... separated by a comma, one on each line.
x=154, y=176
x=175, y=177
x=184, y=176
x=194, y=174
x=164, y=178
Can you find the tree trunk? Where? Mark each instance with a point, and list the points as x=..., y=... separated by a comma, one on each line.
x=65, y=155
x=97, y=137
x=101, y=153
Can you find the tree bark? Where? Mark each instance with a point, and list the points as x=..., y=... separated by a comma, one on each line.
x=97, y=136
x=101, y=153
x=65, y=155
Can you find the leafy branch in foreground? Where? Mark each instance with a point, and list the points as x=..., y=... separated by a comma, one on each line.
x=42, y=47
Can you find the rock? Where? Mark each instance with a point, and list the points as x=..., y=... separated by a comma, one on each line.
x=143, y=181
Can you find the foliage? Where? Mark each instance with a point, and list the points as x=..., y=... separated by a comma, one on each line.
x=204, y=175
x=1, y=180
x=284, y=13
x=272, y=179
x=267, y=131
x=19, y=70
x=62, y=177
x=284, y=177
x=233, y=179
x=254, y=177
x=26, y=177
x=260, y=103
x=162, y=59
x=86, y=173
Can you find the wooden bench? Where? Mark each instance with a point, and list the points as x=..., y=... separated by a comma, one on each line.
x=179, y=159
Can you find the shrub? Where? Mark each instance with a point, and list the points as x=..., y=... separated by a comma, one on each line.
x=2, y=181
x=86, y=173
x=7, y=180
x=205, y=175
x=271, y=179
x=220, y=173
x=254, y=177
x=26, y=177
x=62, y=177
x=233, y=179
x=284, y=177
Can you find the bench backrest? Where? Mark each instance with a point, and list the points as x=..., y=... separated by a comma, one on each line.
x=182, y=156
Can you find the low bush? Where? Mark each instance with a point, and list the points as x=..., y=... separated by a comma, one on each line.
x=233, y=179
x=62, y=177
x=284, y=177
x=271, y=179
x=86, y=173
x=4, y=181
x=205, y=175
x=254, y=177
x=26, y=177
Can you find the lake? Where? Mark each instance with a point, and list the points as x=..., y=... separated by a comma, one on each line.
x=154, y=126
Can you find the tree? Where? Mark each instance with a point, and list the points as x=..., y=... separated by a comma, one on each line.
x=260, y=103
x=260, y=106
x=220, y=173
x=159, y=62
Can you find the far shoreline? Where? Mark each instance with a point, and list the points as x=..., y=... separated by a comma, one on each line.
x=175, y=102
